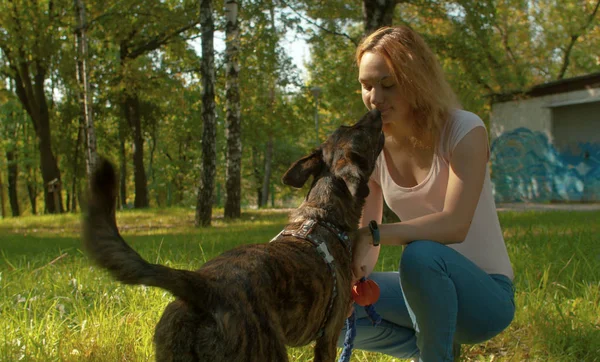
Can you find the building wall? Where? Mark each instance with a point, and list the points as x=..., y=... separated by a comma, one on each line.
x=533, y=113
x=531, y=163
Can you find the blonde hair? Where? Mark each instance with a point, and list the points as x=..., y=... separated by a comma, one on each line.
x=418, y=73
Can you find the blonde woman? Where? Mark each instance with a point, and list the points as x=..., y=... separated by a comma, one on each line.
x=454, y=284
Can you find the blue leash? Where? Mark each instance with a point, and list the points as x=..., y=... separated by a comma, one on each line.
x=351, y=331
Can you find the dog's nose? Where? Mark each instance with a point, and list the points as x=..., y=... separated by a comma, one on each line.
x=371, y=119
x=374, y=118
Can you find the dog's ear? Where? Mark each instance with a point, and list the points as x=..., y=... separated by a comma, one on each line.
x=302, y=169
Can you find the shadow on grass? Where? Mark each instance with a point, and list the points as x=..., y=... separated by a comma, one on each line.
x=154, y=241
x=147, y=219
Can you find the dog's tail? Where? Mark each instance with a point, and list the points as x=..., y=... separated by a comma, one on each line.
x=107, y=248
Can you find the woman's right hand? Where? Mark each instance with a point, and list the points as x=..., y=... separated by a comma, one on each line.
x=361, y=247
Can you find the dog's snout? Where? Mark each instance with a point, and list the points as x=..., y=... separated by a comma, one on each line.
x=375, y=113
x=374, y=120
x=371, y=119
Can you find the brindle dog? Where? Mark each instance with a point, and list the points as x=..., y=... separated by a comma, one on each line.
x=250, y=302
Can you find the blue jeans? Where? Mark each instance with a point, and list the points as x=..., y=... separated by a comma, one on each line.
x=438, y=298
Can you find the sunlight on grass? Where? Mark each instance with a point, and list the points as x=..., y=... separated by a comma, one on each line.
x=55, y=306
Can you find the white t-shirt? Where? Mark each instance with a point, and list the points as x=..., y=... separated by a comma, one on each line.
x=484, y=244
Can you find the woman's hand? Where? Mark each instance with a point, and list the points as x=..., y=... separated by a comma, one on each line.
x=361, y=246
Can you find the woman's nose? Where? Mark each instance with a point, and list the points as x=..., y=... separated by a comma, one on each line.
x=376, y=96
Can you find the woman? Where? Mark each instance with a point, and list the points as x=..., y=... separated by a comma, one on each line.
x=454, y=283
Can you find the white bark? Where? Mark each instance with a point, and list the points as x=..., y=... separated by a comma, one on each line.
x=84, y=88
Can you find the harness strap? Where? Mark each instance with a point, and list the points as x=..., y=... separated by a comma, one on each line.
x=305, y=232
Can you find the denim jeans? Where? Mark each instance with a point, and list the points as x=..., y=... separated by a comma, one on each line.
x=437, y=298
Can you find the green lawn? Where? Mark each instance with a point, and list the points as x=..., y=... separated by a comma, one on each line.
x=55, y=306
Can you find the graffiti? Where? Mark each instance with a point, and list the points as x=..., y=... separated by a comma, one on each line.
x=527, y=167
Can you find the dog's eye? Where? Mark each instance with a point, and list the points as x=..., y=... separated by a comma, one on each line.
x=359, y=160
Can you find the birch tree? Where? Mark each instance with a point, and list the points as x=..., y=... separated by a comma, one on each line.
x=85, y=98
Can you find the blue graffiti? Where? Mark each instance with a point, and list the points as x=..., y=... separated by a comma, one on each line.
x=527, y=167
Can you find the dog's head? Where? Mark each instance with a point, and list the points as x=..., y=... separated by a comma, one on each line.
x=348, y=155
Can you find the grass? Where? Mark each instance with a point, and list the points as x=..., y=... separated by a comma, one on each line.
x=55, y=306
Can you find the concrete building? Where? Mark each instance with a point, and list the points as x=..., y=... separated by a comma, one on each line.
x=546, y=142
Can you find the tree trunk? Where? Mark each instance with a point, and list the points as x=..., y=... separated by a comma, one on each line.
x=133, y=116
x=151, y=177
x=74, y=181
x=32, y=193
x=85, y=98
x=257, y=175
x=13, y=174
x=233, y=126
x=2, y=202
x=33, y=98
x=378, y=13
x=268, y=160
x=209, y=134
x=30, y=176
x=267, y=175
x=122, y=170
x=31, y=185
x=179, y=178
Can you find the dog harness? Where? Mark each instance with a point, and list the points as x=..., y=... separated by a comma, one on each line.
x=304, y=232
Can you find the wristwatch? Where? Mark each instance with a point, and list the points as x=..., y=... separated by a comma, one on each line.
x=374, y=232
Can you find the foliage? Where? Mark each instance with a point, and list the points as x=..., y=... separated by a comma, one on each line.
x=486, y=47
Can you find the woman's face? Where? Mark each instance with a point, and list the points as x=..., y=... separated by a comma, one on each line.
x=380, y=90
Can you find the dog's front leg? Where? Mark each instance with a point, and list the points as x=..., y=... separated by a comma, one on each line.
x=325, y=348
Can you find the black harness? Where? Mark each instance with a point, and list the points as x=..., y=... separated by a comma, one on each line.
x=305, y=232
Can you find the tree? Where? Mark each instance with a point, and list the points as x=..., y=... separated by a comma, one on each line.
x=233, y=121
x=28, y=41
x=2, y=202
x=10, y=127
x=135, y=39
x=12, y=132
x=85, y=97
x=378, y=13
x=207, y=72
x=491, y=48
x=272, y=79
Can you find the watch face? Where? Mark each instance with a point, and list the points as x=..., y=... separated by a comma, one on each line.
x=373, y=225
x=374, y=232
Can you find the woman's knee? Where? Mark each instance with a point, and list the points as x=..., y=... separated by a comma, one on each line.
x=418, y=255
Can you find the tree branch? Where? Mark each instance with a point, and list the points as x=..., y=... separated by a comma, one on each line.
x=312, y=22
x=158, y=41
x=574, y=37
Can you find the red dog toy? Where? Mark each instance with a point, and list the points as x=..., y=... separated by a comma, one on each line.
x=365, y=292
